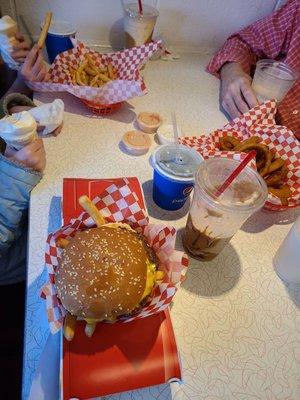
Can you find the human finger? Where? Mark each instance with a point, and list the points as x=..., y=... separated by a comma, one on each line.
x=58, y=130
x=38, y=64
x=19, y=37
x=249, y=94
x=42, y=74
x=240, y=104
x=229, y=106
x=18, y=54
x=31, y=57
x=21, y=45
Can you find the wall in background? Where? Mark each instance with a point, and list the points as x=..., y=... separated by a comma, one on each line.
x=193, y=25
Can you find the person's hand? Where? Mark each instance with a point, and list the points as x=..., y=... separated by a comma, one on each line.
x=237, y=95
x=20, y=48
x=34, y=68
x=31, y=156
x=56, y=131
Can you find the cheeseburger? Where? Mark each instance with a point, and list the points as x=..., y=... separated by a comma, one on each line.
x=106, y=272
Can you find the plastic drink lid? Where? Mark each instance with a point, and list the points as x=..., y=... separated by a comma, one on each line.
x=61, y=28
x=132, y=11
x=136, y=142
x=177, y=161
x=248, y=190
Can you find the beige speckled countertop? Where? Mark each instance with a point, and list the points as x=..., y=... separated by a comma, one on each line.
x=237, y=325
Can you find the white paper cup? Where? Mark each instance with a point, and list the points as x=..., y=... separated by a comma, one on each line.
x=287, y=259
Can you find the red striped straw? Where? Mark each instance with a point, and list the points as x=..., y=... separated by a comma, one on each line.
x=140, y=7
x=236, y=172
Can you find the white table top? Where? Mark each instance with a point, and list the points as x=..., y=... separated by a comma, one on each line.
x=237, y=325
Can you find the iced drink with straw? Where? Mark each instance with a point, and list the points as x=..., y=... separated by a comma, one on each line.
x=139, y=22
x=216, y=215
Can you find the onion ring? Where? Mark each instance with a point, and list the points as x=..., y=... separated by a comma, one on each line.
x=276, y=164
x=251, y=140
x=228, y=143
x=276, y=177
x=283, y=192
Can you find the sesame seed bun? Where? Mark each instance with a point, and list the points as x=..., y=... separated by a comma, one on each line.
x=103, y=272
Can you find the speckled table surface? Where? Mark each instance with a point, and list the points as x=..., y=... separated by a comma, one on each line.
x=237, y=324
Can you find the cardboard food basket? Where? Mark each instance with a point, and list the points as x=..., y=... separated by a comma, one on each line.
x=259, y=121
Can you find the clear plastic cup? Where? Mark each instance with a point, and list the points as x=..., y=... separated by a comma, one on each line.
x=272, y=80
x=212, y=220
x=138, y=28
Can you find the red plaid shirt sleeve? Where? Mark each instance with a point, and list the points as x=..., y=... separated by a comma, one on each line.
x=276, y=36
x=271, y=37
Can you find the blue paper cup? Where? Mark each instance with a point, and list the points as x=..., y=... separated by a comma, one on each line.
x=59, y=38
x=171, y=191
x=170, y=194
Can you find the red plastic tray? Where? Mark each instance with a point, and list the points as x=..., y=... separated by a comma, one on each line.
x=121, y=356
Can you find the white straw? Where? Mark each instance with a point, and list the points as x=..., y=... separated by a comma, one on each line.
x=175, y=128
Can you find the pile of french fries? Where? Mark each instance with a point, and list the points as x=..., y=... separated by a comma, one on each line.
x=88, y=74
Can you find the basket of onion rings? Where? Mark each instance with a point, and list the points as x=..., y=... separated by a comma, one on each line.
x=277, y=152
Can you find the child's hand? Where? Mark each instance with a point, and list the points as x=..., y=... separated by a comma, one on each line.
x=20, y=49
x=56, y=131
x=17, y=109
x=34, y=68
x=31, y=156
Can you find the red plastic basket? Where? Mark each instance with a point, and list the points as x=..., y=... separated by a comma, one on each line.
x=102, y=109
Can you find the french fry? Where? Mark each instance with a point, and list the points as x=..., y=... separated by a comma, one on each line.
x=91, y=71
x=104, y=78
x=90, y=329
x=74, y=78
x=84, y=78
x=88, y=74
x=102, y=70
x=62, y=243
x=94, y=81
x=79, y=72
x=92, y=210
x=44, y=31
x=69, y=326
x=110, y=70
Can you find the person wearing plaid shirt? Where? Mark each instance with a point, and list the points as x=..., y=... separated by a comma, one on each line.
x=276, y=37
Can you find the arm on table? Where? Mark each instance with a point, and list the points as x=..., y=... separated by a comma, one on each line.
x=267, y=38
x=20, y=171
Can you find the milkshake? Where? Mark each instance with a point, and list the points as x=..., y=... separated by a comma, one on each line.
x=212, y=220
x=138, y=28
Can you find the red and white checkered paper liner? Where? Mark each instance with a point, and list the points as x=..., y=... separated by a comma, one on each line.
x=120, y=204
x=259, y=121
x=127, y=62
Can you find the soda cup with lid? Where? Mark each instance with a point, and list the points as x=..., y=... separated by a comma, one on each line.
x=174, y=174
